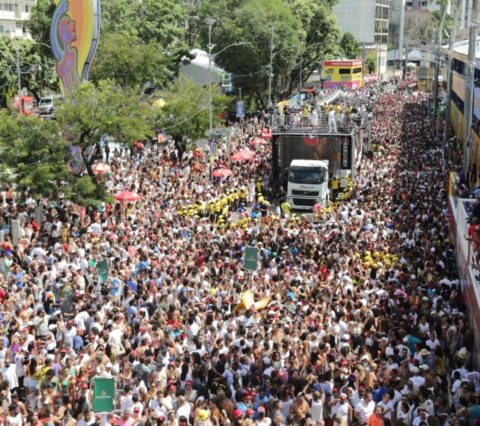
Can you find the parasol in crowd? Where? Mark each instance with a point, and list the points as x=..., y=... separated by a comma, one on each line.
x=243, y=155
x=223, y=172
x=101, y=168
x=127, y=197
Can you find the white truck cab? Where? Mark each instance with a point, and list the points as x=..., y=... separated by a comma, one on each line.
x=307, y=184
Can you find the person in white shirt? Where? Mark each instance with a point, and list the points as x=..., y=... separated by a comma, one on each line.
x=9, y=374
x=184, y=407
x=387, y=406
x=332, y=123
x=422, y=417
x=316, y=406
x=126, y=401
x=365, y=408
x=87, y=419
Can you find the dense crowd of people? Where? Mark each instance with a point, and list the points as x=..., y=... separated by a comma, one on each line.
x=357, y=315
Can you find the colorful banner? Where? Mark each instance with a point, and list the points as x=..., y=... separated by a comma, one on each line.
x=74, y=37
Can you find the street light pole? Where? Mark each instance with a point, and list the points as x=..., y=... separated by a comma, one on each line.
x=300, y=75
x=210, y=46
x=19, y=82
x=446, y=127
x=469, y=88
x=270, y=69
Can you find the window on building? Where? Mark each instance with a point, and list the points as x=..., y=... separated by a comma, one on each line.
x=357, y=70
x=344, y=71
x=7, y=7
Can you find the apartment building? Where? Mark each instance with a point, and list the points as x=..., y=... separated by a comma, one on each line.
x=368, y=21
x=13, y=15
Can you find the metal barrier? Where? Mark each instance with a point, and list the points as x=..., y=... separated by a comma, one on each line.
x=295, y=122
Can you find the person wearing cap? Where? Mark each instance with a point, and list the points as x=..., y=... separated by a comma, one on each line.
x=339, y=406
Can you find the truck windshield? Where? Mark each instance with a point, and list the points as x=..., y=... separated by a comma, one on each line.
x=306, y=175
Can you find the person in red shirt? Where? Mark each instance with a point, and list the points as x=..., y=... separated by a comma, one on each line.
x=376, y=419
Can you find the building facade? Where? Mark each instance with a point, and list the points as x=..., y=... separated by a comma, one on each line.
x=13, y=17
x=368, y=21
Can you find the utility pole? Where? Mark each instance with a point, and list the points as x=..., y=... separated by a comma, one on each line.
x=19, y=82
x=446, y=127
x=404, y=74
x=437, y=68
x=210, y=46
x=469, y=87
x=300, y=83
x=270, y=69
x=401, y=34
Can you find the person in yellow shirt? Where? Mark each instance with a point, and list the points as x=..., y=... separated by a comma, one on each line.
x=335, y=187
x=286, y=208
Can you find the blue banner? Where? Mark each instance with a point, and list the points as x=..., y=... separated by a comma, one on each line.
x=240, y=109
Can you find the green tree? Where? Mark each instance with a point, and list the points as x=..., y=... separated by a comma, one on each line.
x=36, y=70
x=371, y=65
x=305, y=31
x=184, y=109
x=36, y=156
x=320, y=35
x=92, y=112
x=129, y=61
x=39, y=24
x=350, y=46
x=251, y=22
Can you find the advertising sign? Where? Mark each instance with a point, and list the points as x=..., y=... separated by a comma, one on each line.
x=103, y=395
x=240, y=109
x=102, y=269
x=251, y=259
x=346, y=152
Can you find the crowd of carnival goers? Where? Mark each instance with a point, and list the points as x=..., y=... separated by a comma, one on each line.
x=354, y=316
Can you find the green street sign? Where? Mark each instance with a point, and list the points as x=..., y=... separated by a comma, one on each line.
x=103, y=394
x=250, y=260
x=102, y=269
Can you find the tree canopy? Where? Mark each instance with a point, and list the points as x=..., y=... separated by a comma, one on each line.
x=304, y=32
x=183, y=109
x=350, y=46
x=36, y=70
x=38, y=152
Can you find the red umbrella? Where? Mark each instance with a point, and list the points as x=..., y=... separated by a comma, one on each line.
x=127, y=196
x=222, y=172
x=259, y=141
x=266, y=134
x=101, y=168
x=243, y=155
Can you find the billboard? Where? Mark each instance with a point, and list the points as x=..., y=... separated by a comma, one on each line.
x=336, y=149
x=74, y=37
